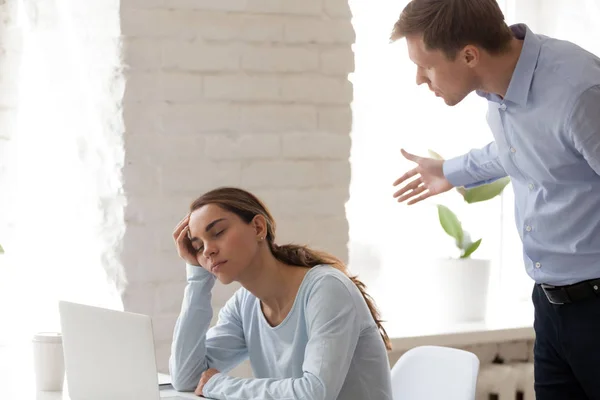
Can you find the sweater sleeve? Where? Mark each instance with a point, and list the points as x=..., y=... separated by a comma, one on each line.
x=333, y=328
x=195, y=348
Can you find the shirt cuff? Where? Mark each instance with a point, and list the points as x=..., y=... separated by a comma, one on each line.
x=455, y=172
x=194, y=271
x=209, y=387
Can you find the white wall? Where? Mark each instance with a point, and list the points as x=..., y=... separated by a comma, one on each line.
x=251, y=93
x=10, y=59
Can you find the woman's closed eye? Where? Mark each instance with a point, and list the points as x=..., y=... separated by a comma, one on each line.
x=219, y=233
x=216, y=234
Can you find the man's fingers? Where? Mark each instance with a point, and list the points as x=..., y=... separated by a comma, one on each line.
x=412, y=193
x=420, y=198
x=406, y=176
x=410, y=156
x=410, y=173
x=408, y=187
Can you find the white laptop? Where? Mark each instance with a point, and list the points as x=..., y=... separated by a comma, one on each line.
x=110, y=355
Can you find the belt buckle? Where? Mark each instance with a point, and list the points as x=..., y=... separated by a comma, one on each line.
x=548, y=288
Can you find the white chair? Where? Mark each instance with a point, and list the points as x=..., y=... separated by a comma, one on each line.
x=433, y=372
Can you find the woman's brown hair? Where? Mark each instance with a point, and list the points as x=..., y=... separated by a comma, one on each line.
x=247, y=206
x=450, y=25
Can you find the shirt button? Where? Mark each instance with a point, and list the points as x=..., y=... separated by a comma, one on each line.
x=530, y=186
x=538, y=265
x=528, y=229
x=513, y=150
x=503, y=107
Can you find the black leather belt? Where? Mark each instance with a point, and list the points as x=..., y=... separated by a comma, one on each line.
x=572, y=293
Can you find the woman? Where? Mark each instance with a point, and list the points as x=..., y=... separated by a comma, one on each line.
x=310, y=331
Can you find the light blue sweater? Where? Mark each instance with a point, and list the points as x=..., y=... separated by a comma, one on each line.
x=327, y=348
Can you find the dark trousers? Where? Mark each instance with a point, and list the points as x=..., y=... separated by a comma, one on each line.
x=567, y=349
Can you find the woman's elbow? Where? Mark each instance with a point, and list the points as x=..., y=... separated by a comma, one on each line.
x=310, y=387
x=183, y=385
x=180, y=380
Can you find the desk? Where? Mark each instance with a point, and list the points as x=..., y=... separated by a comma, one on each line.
x=16, y=369
x=65, y=396
x=17, y=381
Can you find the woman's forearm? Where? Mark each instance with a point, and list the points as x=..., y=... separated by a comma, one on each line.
x=188, y=351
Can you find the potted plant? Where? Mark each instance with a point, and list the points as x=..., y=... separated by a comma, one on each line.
x=463, y=281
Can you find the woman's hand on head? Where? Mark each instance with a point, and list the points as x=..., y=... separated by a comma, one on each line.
x=204, y=378
x=183, y=244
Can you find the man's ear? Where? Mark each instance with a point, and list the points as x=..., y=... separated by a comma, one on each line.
x=470, y=55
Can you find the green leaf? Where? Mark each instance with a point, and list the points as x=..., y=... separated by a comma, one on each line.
x=434, y=155
x=450, y=223
x=486, y=192
x=471, y=249
x=1, y=249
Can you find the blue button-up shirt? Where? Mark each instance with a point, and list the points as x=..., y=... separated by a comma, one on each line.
x=547, y=139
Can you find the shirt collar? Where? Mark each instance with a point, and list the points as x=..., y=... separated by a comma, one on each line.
x=520, y=83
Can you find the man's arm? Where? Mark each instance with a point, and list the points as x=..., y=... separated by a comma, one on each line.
x=584, y=126
x=477, y=167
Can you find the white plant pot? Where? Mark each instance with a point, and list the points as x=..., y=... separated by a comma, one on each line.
x=462, y=289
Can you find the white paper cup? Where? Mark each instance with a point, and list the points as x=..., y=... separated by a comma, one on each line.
x=48, y=361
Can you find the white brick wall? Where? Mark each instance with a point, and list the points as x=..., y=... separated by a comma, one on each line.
x=251, y=93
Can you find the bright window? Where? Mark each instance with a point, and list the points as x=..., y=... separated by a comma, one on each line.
x=64, y=166
x=391, y=244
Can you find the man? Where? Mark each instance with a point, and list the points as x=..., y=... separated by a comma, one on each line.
x=544, y=112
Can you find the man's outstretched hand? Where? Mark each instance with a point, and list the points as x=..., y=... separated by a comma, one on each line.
x=429, y=180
